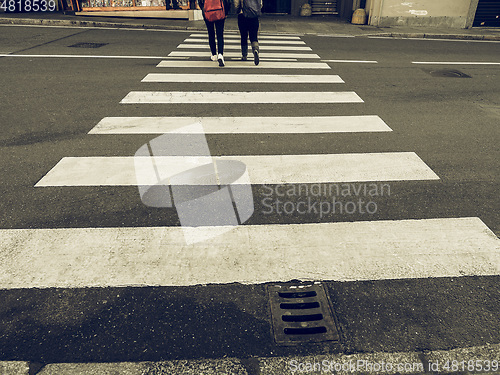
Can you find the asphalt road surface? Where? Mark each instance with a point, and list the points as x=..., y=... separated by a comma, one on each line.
x=372, y=168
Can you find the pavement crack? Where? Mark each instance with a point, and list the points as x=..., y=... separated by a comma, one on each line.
x=252, y=365
x=35, y=368
x=423, y=358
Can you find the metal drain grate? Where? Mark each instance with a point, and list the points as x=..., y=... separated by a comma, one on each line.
x=88, y=45
x=447, y=73
x=301, y=313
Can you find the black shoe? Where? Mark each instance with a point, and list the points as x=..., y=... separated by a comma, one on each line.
x=255, y=50
x=256, y=57
x=244, y=58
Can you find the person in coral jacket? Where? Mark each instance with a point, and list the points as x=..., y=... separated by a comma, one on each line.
x=249, y=12
x=213, y=28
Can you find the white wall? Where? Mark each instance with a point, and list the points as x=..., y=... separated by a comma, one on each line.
x=450, y=13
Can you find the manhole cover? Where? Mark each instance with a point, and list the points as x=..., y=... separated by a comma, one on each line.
x=301, y=313
x=88, y=45
x=447, y=73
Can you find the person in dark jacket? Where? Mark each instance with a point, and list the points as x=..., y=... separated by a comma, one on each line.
x=213, y=28
x=249, y=28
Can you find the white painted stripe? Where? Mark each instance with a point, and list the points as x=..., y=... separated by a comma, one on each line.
x=274, y=97
x=460, y=40
x=243, y=64
x=352, y=61
x=455, y=63
x=241, y=125
x=261, y=59
x=336, y=35
x=237, y=41
x=436, y=39
x=130, y=368
x=406, y=363
x=242, y=78
x=117, y=28
x=393, y=363
x=67, y=27
x=176, y=59
x=88, y=56
x=238, y=54
x=345, y=251
x=262, y=169
x=237, y=36
x=237, y=47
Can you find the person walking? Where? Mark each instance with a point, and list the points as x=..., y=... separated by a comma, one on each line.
x=249, y=12
x=214, y=14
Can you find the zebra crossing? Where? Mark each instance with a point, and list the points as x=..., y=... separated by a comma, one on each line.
x=264, y=169
x=115, y=259
x=238, y=78
x=249, y=254
x=237, y=47
x=241, y=125
x=243, y=64
x=274, y=55
x=275, y=169
x=229, y=97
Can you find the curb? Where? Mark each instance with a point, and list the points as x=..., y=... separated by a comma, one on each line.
x=438, y=362
x=436, y=36
x=89, y=24
x=101, y=24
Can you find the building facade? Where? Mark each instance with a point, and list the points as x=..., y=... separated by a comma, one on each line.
x=439, y=13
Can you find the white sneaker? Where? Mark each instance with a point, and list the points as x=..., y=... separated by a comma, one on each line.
x=220, y=58
x=214, y=58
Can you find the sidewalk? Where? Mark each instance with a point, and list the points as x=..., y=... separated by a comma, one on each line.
x=464, y=361
x=316, y=25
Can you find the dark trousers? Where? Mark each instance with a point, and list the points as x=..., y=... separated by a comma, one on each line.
x=249, y=27
x=213, y=28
